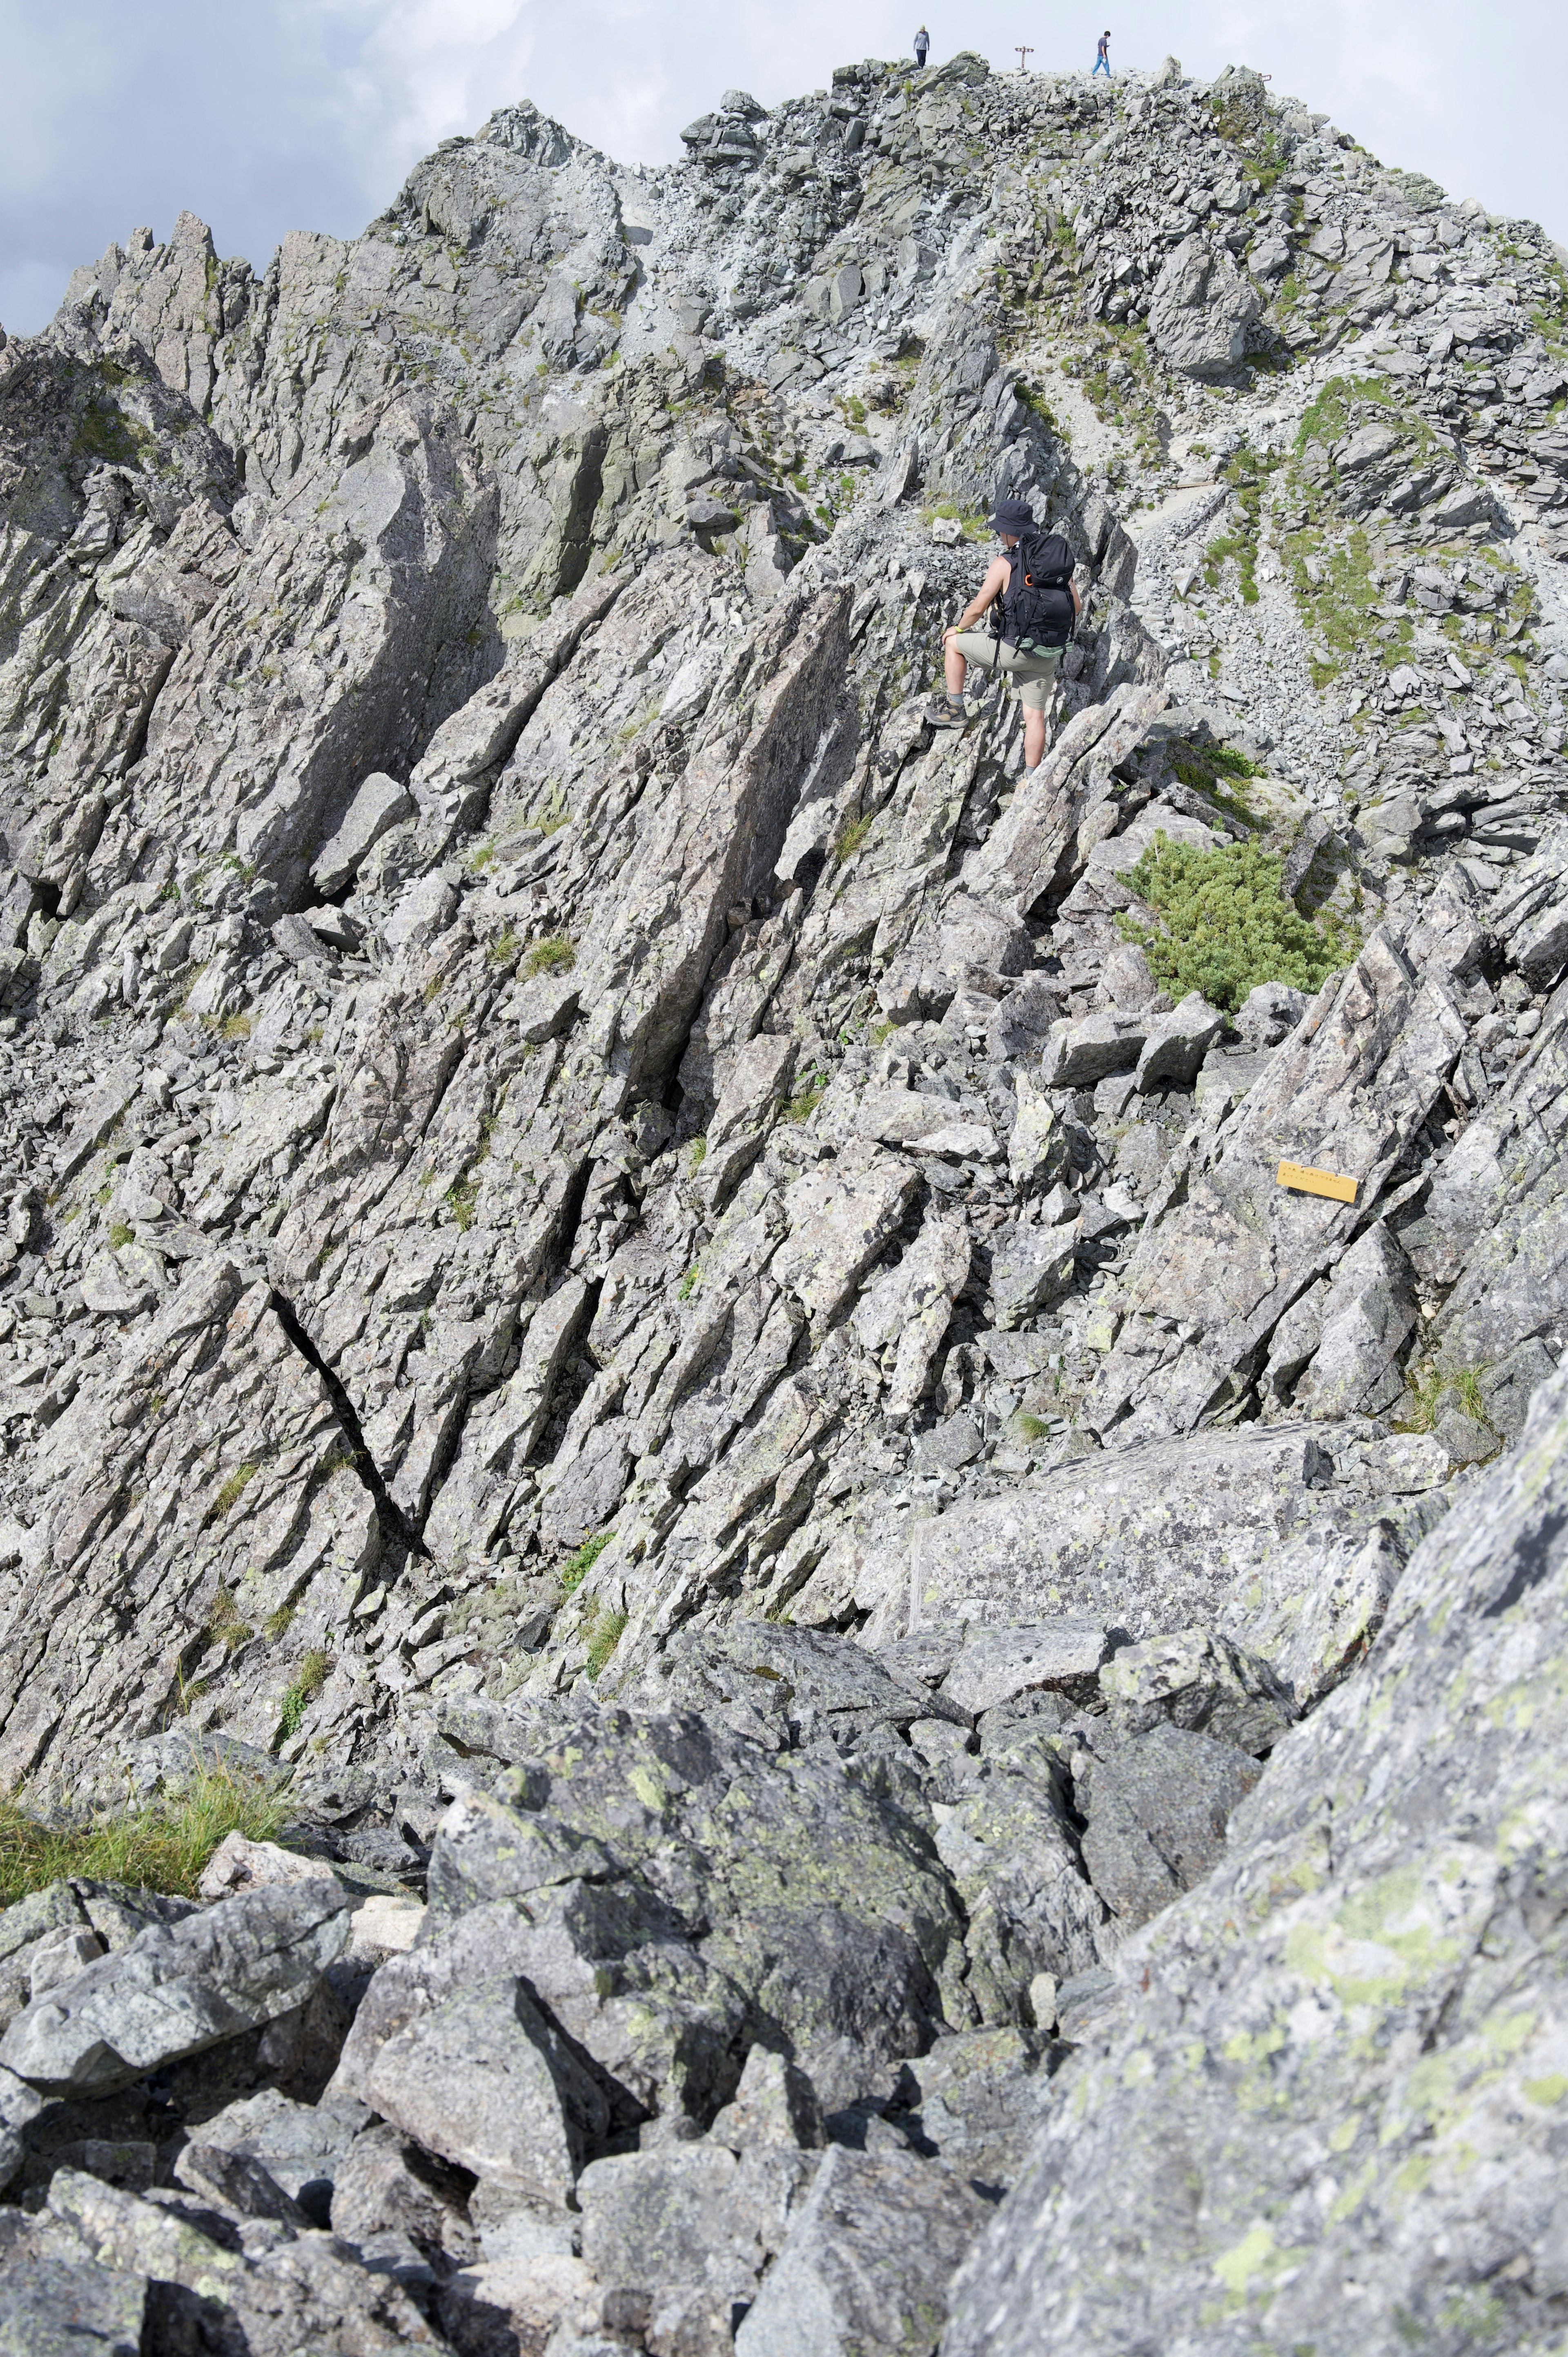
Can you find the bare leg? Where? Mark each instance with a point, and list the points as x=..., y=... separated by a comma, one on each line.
x=1034, y=737
x=954, y=667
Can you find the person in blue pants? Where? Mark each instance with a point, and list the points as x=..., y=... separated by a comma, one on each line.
x=922, y=43
x=1102, y=57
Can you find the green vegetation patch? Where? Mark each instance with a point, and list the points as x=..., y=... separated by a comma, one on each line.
x=583, y=1561
x=1226, y=924
x=1220, y=773
x=162, y=1846
x=603, y=1636
x=1429, y=1388
x=554, y=954
x=311, y=1677
x=1248, y=474
x=804, y=1103
x=104, y=431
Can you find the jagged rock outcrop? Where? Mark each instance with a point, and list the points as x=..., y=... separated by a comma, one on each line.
x=642, y=1281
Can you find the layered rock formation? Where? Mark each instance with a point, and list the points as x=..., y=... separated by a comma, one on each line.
x=619, y=1271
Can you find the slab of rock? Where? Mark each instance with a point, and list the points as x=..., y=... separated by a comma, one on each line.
x=302, y=2146
x=866, y=2270
x=1225, y=1249
x=1175, y=1045
x=485, y=2079
x=177, y=1990
x=1391, y=1962
x=977, y=2098
x=1367, y=1315
x=840, y=1220
x=1158, y=1807
x=698, y=2214
x=775, y=2104
x=1201, y=311
x=996, y=1662
x=1031, y=1266
x=1202, y=1680
x=1148, y=1538
x=1078, y=1054
x=1012, y=1847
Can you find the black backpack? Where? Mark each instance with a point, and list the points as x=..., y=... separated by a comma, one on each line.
x=1036, y=606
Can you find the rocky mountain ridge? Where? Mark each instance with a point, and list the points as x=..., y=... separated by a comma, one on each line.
x=584, y=1187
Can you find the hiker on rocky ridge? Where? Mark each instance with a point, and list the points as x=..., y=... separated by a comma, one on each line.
x=1031, y=583
x=922, y=43
x=1102, y=56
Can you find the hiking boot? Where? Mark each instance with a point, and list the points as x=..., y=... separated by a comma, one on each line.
x=940, y=713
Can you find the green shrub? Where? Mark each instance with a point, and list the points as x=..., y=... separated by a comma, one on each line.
x=583, y=1561
x=1226, y=924
x=163, y=1847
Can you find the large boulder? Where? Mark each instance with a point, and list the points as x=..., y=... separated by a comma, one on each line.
x=1201, y=310
x=1353, y=2032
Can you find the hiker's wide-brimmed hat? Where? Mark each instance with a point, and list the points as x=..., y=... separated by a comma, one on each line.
x=1012, y=515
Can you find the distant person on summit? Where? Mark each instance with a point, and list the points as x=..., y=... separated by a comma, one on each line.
x=922, y=43
x=1102, y=57
x=1031, y=583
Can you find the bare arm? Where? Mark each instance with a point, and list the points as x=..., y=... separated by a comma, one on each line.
x=990, y=589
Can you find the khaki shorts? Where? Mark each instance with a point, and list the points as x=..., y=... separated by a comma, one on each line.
x=1033, y=675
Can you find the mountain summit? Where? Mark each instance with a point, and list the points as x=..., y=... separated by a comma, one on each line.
x=860, y=1445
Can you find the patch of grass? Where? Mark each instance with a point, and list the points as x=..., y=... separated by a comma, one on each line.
x=1337, y=608
x=503, y=949
x=689, y=1284
x=605, y=1636
x=235, y=1026
x=225, y=1625
x=277, y=1622
x=103, y=431
x=804, y=1103
x=1426, y=1388
x=699, y=1152
x=583, y=1561
x=1030, y=1427
x=313, y=1673
x=1226, y=923
x=1248, y=474
x=460, y=1199
x=554, y=954
x=232, y=1489
x=120, y=1234
x=850, y=837
x=162, y=1846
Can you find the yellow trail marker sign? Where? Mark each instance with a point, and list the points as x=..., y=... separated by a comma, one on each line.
x=1316, y=1182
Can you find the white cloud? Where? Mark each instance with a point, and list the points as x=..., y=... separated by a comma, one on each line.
x=308, y=113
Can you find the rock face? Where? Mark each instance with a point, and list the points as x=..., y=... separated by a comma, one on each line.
x=1335, y=2031
x=655, y=1293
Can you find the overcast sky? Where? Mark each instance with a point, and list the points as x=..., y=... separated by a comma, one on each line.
x=308, y=113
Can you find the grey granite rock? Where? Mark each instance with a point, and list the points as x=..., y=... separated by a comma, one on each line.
x=175, y=1992
x=867, y=2262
